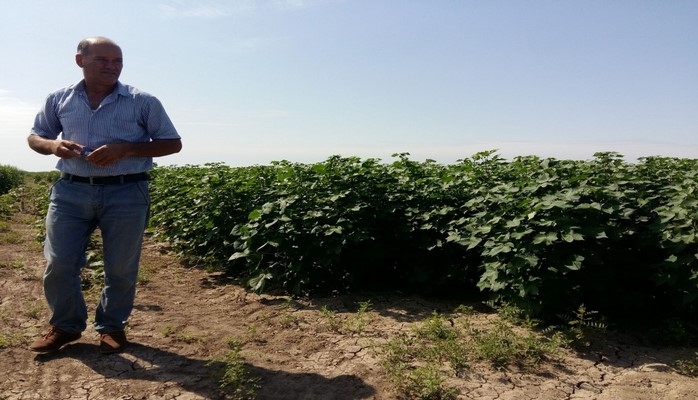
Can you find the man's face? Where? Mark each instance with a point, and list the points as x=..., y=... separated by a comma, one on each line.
x=102, y=64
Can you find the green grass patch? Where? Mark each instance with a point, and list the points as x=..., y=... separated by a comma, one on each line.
x=420, y=362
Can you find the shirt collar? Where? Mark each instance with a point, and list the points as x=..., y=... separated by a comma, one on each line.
x=120, y=88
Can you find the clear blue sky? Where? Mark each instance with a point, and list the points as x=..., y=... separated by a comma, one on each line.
x=251, y=81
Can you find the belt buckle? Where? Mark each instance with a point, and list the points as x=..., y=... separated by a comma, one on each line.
x=92, y=180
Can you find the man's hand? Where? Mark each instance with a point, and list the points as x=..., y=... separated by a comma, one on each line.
x=57, y=147
x=66, y=149
x=108, y=154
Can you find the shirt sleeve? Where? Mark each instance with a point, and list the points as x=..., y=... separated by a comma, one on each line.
x=157, y=122
x=46, y=122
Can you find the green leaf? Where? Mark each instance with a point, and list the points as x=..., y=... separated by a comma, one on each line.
x=521, y=234
x=502, y=248
x=333, y=230
x=571, y=236
x=453, y=237
x=576, y=264
x=513, y=223
x=255, y=214
x=548, y=238
x=239, y=254
x=531, y=259
x=472, y=242
x=257, y=283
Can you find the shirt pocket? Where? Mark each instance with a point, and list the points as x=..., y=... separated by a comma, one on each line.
x=75, y=124
x=125, y=127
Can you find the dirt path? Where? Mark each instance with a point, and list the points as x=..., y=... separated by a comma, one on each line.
x=185, y=319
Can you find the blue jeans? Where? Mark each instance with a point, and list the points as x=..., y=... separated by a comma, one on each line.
x=75, y=211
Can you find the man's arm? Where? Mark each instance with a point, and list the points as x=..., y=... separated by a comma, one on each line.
x=155, y=148
x=57, y=147
x=111, y=153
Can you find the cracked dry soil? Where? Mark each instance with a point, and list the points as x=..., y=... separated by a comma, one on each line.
x=185, y=317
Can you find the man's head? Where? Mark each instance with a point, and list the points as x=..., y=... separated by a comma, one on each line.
x=101, y=61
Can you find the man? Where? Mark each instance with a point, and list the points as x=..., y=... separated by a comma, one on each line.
x=105, y=135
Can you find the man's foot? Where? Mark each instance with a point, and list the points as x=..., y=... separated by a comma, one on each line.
x=112, y=342
x=53, y=340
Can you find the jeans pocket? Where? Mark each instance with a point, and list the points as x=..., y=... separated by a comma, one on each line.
x=144, y=189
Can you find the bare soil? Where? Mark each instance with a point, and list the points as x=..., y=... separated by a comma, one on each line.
x=185, y=317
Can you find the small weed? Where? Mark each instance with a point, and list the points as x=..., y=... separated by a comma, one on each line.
x=10, y=237
x=144, y=274
x=288, y=320
x=168, y=331
x=421, y=382
x=687, y=367
x=288, y=303
x=501, y=345
x=426, y=383
x=179, y=334
x=435, y=328
x=330, y=316
x=187, y=337
x=252, y=333
x=143, y=278
x=465, y=310
x=443, y=342
x=582, y=324
x=34, y=311
x=235, y=379
x=15, y=264
x=515, y=315
x=9, y=340
x=357, y=323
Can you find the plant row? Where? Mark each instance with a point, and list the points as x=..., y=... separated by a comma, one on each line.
x=543, y=234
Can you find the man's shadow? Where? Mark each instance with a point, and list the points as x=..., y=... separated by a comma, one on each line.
x=142, y=362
